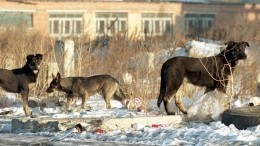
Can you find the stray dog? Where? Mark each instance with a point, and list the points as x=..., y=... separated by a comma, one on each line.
x=18, y=80
x=211, y=72
x=86, y=86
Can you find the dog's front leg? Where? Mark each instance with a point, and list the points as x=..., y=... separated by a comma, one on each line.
x=68, y=103
x=222, y=89
x=83, y=104
x=107, y=100
x=25, y=103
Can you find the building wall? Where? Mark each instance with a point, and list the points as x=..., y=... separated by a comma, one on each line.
x=42, y=8
x=224, y=13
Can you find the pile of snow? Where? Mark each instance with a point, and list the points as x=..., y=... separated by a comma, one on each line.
x=193, y=49
x=203, y=49
x=209, y=106
x=164, y=54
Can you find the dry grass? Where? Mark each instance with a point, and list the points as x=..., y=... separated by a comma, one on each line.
x=17, y=43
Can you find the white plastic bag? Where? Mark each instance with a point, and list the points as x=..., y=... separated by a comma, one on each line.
x=208, y=107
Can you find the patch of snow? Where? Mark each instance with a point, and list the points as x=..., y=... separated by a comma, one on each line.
x=203, y=49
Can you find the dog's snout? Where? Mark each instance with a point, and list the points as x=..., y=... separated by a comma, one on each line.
x=244, y=56
x=49, y=90
x=33, y=64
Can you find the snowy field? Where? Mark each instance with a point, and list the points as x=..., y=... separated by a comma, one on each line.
x=199, y=133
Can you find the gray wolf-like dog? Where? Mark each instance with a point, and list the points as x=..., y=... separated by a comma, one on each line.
x=211, y=72
x=86, y=86
x=18, y=80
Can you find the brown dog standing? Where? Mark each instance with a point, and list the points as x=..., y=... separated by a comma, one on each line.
x=211, y=72
x=86, y=86
x=18, y=80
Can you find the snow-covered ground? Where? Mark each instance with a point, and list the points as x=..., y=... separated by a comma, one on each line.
x=200, y=107
x=185, y=133
x=198, y=134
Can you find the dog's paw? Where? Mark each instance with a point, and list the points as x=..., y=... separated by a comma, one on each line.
x=34, y=115
x=171, y=113
x=65, y=112
x=87, y=108
x=185, y=112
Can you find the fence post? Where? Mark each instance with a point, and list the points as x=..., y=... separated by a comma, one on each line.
x=64, y=52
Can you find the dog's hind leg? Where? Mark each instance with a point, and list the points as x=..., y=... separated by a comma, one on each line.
x=172, y=87
x=170, y=92
x=107, y=97
x=179, y=104
x=167, y=106
x=108, y=94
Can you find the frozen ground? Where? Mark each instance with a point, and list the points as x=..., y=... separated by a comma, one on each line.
x=191, y=133
x=214, y=133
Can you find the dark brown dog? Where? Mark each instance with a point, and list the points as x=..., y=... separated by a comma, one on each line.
x=211, y=72
x=86, y=86
x=18, y=80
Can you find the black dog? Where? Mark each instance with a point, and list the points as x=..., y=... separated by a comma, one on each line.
x=211, y=72
x=18, y=80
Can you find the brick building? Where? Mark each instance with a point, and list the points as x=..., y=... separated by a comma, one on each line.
x=64, y=18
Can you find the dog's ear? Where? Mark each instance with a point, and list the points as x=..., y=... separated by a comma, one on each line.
x=29, y=57
x=229, y=43
x=58, y=76
x=53, y=76
x=39, y=56
x=247, y=44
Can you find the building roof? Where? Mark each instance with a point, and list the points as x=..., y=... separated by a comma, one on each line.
x=186, y=1
x=181, y=1
x=213, y=1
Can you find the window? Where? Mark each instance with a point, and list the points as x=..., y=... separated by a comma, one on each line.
x=67, y=27
x=56, y=26
x=13, y=18
x=198, y=21
x=111, y=23
x=66, y=24
x=156, y=23
x=157, y=26
x=78, y=27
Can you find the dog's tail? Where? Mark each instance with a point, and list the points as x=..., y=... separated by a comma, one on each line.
x=161, y=95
